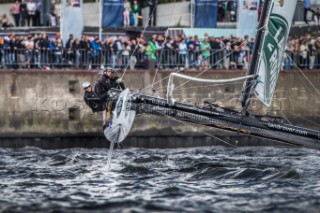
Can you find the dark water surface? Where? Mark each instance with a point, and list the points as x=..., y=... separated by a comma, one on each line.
x=209, y=179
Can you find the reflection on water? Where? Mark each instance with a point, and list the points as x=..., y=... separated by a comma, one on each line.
x=209, y=179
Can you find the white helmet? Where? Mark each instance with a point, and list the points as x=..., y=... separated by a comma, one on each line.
x=86, y=84
x=101, y=72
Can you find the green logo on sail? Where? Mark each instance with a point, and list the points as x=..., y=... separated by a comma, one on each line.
x=273, y=53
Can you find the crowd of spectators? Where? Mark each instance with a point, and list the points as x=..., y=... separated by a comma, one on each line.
x=50, y=52
x=26, y=14
x=29, y=14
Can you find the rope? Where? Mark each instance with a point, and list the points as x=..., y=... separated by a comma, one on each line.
x=304, y=118
x=298, y=68
x=144, y=29
x=155, y=75
x=285, y=117
x=306, y=108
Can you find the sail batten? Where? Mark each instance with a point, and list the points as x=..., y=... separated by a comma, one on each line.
x=274, y=42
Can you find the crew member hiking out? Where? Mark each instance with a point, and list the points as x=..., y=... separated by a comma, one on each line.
x=103, y=86
x=92, y=99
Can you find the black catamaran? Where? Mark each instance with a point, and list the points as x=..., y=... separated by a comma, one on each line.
x=263, y=72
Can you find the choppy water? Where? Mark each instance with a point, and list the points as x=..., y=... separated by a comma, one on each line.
x=209, y=179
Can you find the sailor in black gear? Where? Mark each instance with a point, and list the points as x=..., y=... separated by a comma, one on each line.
x=92, y=99
x=103, y=86
x=107, y=82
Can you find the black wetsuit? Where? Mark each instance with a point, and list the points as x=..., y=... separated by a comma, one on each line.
x=94, y=101
x=104, y=84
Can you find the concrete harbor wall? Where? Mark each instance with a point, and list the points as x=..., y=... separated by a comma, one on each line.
x=45, y=108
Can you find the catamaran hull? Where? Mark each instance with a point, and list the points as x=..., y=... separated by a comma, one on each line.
x=129, y=104
x=227, y=120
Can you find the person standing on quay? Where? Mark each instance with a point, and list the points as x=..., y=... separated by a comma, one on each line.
x=23, y=13
x=15, y=11
x=38, y=13
x=31, y=8
x=153, y=12
x=126, y=13
x=306, y=9
x=135, y=12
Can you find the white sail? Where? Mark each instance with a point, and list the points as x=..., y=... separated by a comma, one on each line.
x=274, y=42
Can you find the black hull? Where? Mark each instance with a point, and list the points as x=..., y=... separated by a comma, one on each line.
x=228, y=120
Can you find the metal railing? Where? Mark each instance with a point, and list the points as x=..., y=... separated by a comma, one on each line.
x=165, y=59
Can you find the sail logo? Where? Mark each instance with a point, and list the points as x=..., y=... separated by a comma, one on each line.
x=273, y=52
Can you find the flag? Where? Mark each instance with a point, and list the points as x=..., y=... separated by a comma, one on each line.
x=72, y=19
x=247, y=17
x=112, y=13
x=206, y=13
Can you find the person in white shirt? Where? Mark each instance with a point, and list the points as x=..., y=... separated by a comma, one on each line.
x=183, y=50
x=31, y=9
x=29, y=43
x=126, y=13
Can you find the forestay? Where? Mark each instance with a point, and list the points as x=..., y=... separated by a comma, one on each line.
x=274, y=42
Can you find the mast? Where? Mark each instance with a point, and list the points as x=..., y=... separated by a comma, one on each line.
x=249, y=83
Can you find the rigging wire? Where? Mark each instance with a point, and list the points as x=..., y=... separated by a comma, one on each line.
x=194, y=63
x=237, y=92
x=217, y=51
x=309, y=81
x=176, y=72
x=304, y=118
x=155, y=75
x=144, y=29
x=298, y=70
x=285, y=117
x=305, y=108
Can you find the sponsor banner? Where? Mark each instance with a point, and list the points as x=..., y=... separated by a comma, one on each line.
x=247, y=17
x=206, y=13
x=112, y=13
x=72, y=20
x=270, y=63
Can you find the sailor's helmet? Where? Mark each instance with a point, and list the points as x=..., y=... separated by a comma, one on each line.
x=108, y=69
x=101, y=72
x=86, y=84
